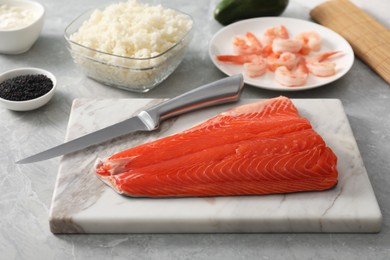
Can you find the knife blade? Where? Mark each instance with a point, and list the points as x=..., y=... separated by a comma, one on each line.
x=218, y=92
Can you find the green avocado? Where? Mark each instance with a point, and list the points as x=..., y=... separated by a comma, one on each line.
x=229, y=11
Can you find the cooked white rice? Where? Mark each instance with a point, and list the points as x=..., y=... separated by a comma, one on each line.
x=133, y=29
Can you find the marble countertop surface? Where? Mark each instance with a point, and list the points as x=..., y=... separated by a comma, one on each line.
x=26, y=190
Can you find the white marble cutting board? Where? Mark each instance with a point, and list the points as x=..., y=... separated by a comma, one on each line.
x=83, y=204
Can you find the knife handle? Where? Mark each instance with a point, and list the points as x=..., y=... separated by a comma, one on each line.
x=218, y=92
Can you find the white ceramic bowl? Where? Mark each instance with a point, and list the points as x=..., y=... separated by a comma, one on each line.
x=32, y=103
x=20, y=40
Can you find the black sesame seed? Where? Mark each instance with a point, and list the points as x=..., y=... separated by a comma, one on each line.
x=25, y=87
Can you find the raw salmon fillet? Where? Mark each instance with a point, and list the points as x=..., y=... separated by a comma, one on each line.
x=259, y=148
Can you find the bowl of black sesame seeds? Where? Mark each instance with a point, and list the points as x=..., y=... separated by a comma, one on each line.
x=26, y=88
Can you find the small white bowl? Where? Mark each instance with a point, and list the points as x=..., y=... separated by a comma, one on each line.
x=32, y=103
x=20, y=40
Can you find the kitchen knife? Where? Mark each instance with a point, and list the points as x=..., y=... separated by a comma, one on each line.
x=218, y=92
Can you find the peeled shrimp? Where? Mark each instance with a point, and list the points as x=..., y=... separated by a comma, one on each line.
x=273, y=33
x=322, y=69
x=287, y=59
x=317, y=67
x=254, y=42
x=250, y=45
x=239, y=45
x=257, y=67
x=311, y=41
x=286, y=45
x=291, y=78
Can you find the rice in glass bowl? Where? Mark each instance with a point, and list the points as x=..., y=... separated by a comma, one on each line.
x=129, y=45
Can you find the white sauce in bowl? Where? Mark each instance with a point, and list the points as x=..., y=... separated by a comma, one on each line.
x=15, y=17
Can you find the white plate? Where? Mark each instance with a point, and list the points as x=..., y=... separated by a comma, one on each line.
x=221, y=44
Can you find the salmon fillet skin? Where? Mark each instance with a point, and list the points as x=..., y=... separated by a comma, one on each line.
x=264, y=147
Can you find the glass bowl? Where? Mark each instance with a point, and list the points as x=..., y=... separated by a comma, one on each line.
x=133, y=74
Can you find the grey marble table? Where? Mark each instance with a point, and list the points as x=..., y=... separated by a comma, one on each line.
x=26, y=190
